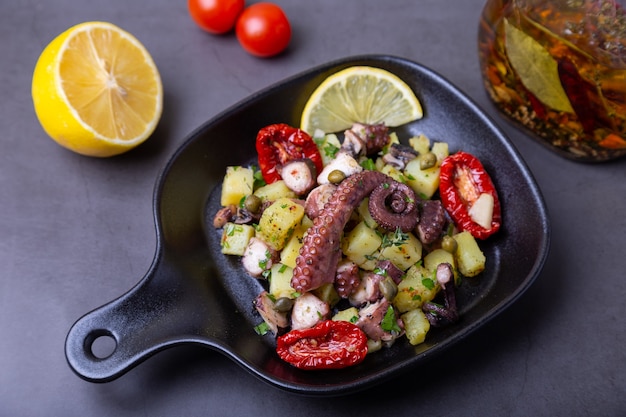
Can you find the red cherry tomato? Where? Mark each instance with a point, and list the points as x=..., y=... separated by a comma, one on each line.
x=328, y=345
x=215, y=16
x=280, y=143
x=462, y=179
x=263, y=29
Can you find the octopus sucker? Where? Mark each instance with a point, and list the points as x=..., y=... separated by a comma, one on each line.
x=324, y=237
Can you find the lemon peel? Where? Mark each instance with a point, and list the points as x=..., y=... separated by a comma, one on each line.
x=96, y=90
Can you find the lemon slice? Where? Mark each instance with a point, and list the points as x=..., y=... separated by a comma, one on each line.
x=360, y=94
x=96, y=90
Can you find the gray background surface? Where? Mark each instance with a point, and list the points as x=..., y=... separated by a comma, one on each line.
x=77, y=232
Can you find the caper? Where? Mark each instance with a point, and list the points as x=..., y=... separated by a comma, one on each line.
x=448, y=243
x=388, y=288
x=428, y=160
x=283, y=304
x=252, y=203
x=336, y=176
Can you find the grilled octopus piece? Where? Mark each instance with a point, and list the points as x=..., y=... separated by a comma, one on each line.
x=317, y=262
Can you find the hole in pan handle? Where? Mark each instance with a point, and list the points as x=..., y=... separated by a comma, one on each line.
x=110, y=340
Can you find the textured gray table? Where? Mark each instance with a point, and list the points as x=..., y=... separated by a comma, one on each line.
x=76, y=232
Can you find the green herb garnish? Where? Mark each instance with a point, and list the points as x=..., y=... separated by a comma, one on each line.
x=390, y=323
x=262, y=328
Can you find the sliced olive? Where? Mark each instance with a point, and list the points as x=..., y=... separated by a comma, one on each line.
x=388, y=288
x=428, y=160
x=448, y=243
x=252, y=203
x=283, y=304
x=336, y=176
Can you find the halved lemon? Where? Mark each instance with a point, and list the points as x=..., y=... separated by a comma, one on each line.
x=96, y=90
x=360, y=94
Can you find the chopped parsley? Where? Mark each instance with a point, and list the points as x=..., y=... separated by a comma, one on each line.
x=231, y=228
x=390, y=323
x=329, y=149
x=380, y=271
x=262, y=328
x=263, y=262
x=257, y=175
x=368, y=164
x=428, y=283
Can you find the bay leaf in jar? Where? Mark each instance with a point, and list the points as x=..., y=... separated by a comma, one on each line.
x=558, y=69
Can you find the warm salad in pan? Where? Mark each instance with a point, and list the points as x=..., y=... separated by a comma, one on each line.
x=359, y=241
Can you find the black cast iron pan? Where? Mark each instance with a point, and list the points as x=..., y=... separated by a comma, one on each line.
x=192, y=294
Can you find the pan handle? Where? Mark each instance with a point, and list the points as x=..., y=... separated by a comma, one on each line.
x=138, y=324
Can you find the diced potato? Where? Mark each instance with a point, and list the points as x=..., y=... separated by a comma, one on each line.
x=280, y=281
x=235, y=238
x=328, y=294
x=405, y=255
x=440, y=256
x=442, y=151
x=436, y=257
x=379, y=164
x=292, y=249
x=416, y=325
x=360, y=243
x=374, y=345
x=424, y=182
x=393, y=172
x=274, y=191
x=237, y=184
x=364, y=213
x=469, y=258
x=278, y=222
x=420, y=143
x=417, y=287
x=350, y=314
x=393, y=138
x=370, y=263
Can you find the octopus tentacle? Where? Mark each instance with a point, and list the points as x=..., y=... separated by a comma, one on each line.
x=394, y=205
x=321, y=250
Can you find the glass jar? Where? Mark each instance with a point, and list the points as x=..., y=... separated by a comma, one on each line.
x=558, y=68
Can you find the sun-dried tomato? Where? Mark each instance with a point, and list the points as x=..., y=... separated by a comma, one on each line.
x=328, y=345
x=462, y=180
x=280, y=143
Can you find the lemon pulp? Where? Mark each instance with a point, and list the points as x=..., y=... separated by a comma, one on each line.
x=360, y=94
